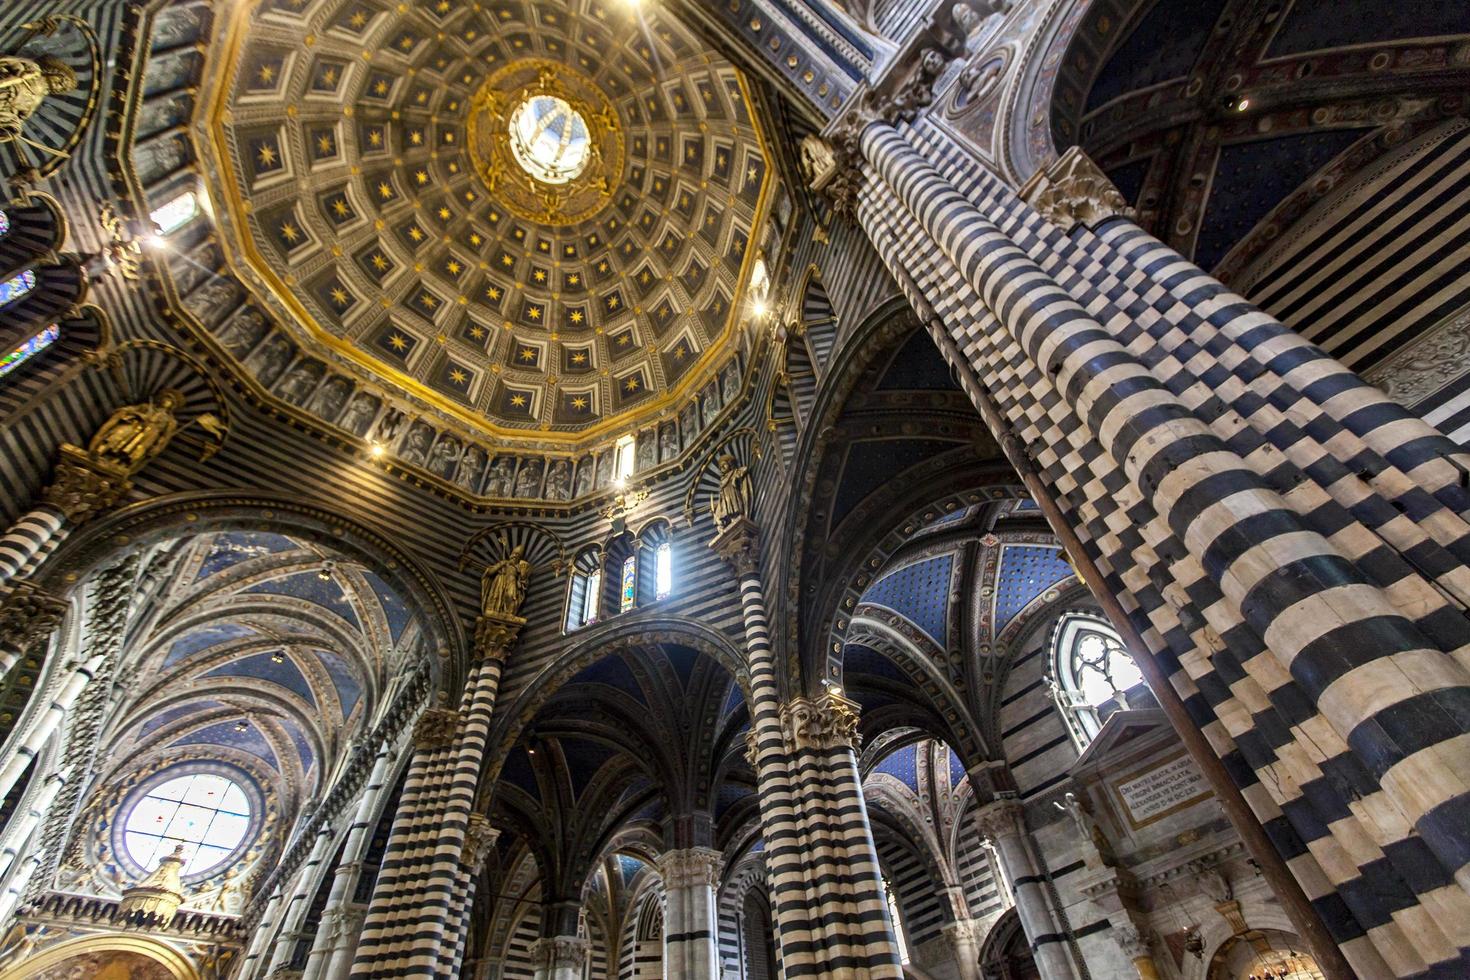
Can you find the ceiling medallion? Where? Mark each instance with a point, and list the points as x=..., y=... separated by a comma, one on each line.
x=546, y=141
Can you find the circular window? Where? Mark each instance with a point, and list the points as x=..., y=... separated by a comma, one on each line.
x=205, y=813
x=549, y=139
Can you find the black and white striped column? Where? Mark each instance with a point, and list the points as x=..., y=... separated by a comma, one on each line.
x=827, y=904
x=1292, y=547
x=1003, y=823
x=33, y=531
x=691, y=915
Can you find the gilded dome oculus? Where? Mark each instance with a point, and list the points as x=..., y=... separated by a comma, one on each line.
x=549, y=139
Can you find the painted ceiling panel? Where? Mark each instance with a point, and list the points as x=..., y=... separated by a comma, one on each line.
x=261, y=666
x=584, y=759
x=870, y=465
x=170, y=715
x=920, y=592
x=1164, y=45
x=614, y=672
x=1025, y=572
x=204, y=637
x=683, y=660
x=1252, y=178
x=344, y=679
x=225, y=733
x=518, y=772
x=862, y=660
x=903, y=765
x=956, y=768
x=233, y=547
x=918, y=366
x=394, y=610
x=309, y=587
x=1315, y=26
x=728, y=795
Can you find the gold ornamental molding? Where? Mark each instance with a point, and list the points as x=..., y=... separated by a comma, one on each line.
x=491, y=142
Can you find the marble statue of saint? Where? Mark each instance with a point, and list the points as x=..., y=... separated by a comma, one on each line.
x=668, y=442
x=136, y=433
x=966, y=18
x=24, y=85
x=471, y=468
x=359, y=414
x=583, y=484
x=444, y=456
x=1096, y=851
x=502, y=476
x=736, y=493
x=330, y=397
x=503, y=585
x=415, y=448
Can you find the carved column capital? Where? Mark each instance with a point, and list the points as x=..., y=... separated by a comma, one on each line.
x=29, y=615
x=479, y=840
x=436, y=728
x=831, y=721
x=1074, y=191
x=739, y=545
x=82, y=487
x=1134, y=944
x=559, y=951
x=495, y=634
x=694, y=867
x=1000, y=818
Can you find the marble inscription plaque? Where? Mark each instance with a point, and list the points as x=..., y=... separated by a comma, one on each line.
x=1155, y=793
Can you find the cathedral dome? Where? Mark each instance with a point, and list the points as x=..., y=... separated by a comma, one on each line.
x=537, y=220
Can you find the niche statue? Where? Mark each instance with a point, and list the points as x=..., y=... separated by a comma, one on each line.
x=503, y=586
x=24, y=85
x=735, y=496
x=137, y=433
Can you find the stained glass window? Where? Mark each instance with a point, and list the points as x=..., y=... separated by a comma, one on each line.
x=664, y=567
x=13, y=289
x=208, y=815
x=29, y=349
x=592, y=598
x=4, y=224
x=629, y=593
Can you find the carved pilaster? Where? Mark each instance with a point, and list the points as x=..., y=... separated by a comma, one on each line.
x=495, y=634
x=480, y=839
x=559, y=951
x=829, y=722
x=436, y=728
x=739, y=544
x=29, y=615
x=752, y=747
x=83, y=487
x=695, y=867
x=1074, y=191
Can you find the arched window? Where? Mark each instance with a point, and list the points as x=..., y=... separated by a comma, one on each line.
x=4, y=224
x=15, y=358
x=628, y=584
x=14, y=288
x=175, y=213
x=206, y=813
x=663, y=563
x=585, y=590
x=903, y=946
x=1092, y=673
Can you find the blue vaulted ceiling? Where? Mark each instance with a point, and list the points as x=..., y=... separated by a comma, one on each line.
x=1026, y=571
x=920, y=592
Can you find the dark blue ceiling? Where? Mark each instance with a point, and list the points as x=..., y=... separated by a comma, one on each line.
x=1165, y=44
x=920, y=592
x=1312, y=25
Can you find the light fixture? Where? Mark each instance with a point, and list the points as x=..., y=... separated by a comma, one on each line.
x=375, y=449
x=278, y=657
x=242, y=726
x=325, y=572
x=759, y=309
x=1243, y=104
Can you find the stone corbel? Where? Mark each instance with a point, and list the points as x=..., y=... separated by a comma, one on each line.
x=559, y=951
x=1074, y=191
x=739, y=545
x=495, y=634
x=83, y=486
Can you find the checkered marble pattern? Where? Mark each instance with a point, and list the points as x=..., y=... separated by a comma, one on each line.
x=1289, y=543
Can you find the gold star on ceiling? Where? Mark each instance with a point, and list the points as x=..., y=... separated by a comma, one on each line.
x=324, y=143
x=493, y=292
x=624, y=340
x=266, y=74
x=379, y=261
x=631, y=384
x=398, y=342
x=457, y=376
x=339, y=296
x=384, y=190
x=416, y=234
x=266, y=155
x=579, y=403
x=528, y=354
x=421, y=177
x=375, y=137
x=380, y=87
x=290, y=232
x=679, y=353
x=580, y=357
x=534, y=313
x=428, y=301
x=339, y=207
x=576, y=316
x=452, y=267
x=519, y=401
x=477, y=332
x=357, y=19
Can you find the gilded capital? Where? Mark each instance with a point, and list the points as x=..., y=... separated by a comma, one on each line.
x=436, y=728
x=829, y=722
x=83, y=487
x=739, y=544
x=29, y=615
x=1074, y=191
x=479, y=840
x=495, y=634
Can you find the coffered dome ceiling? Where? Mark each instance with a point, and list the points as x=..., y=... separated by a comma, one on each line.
x=535, y=216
